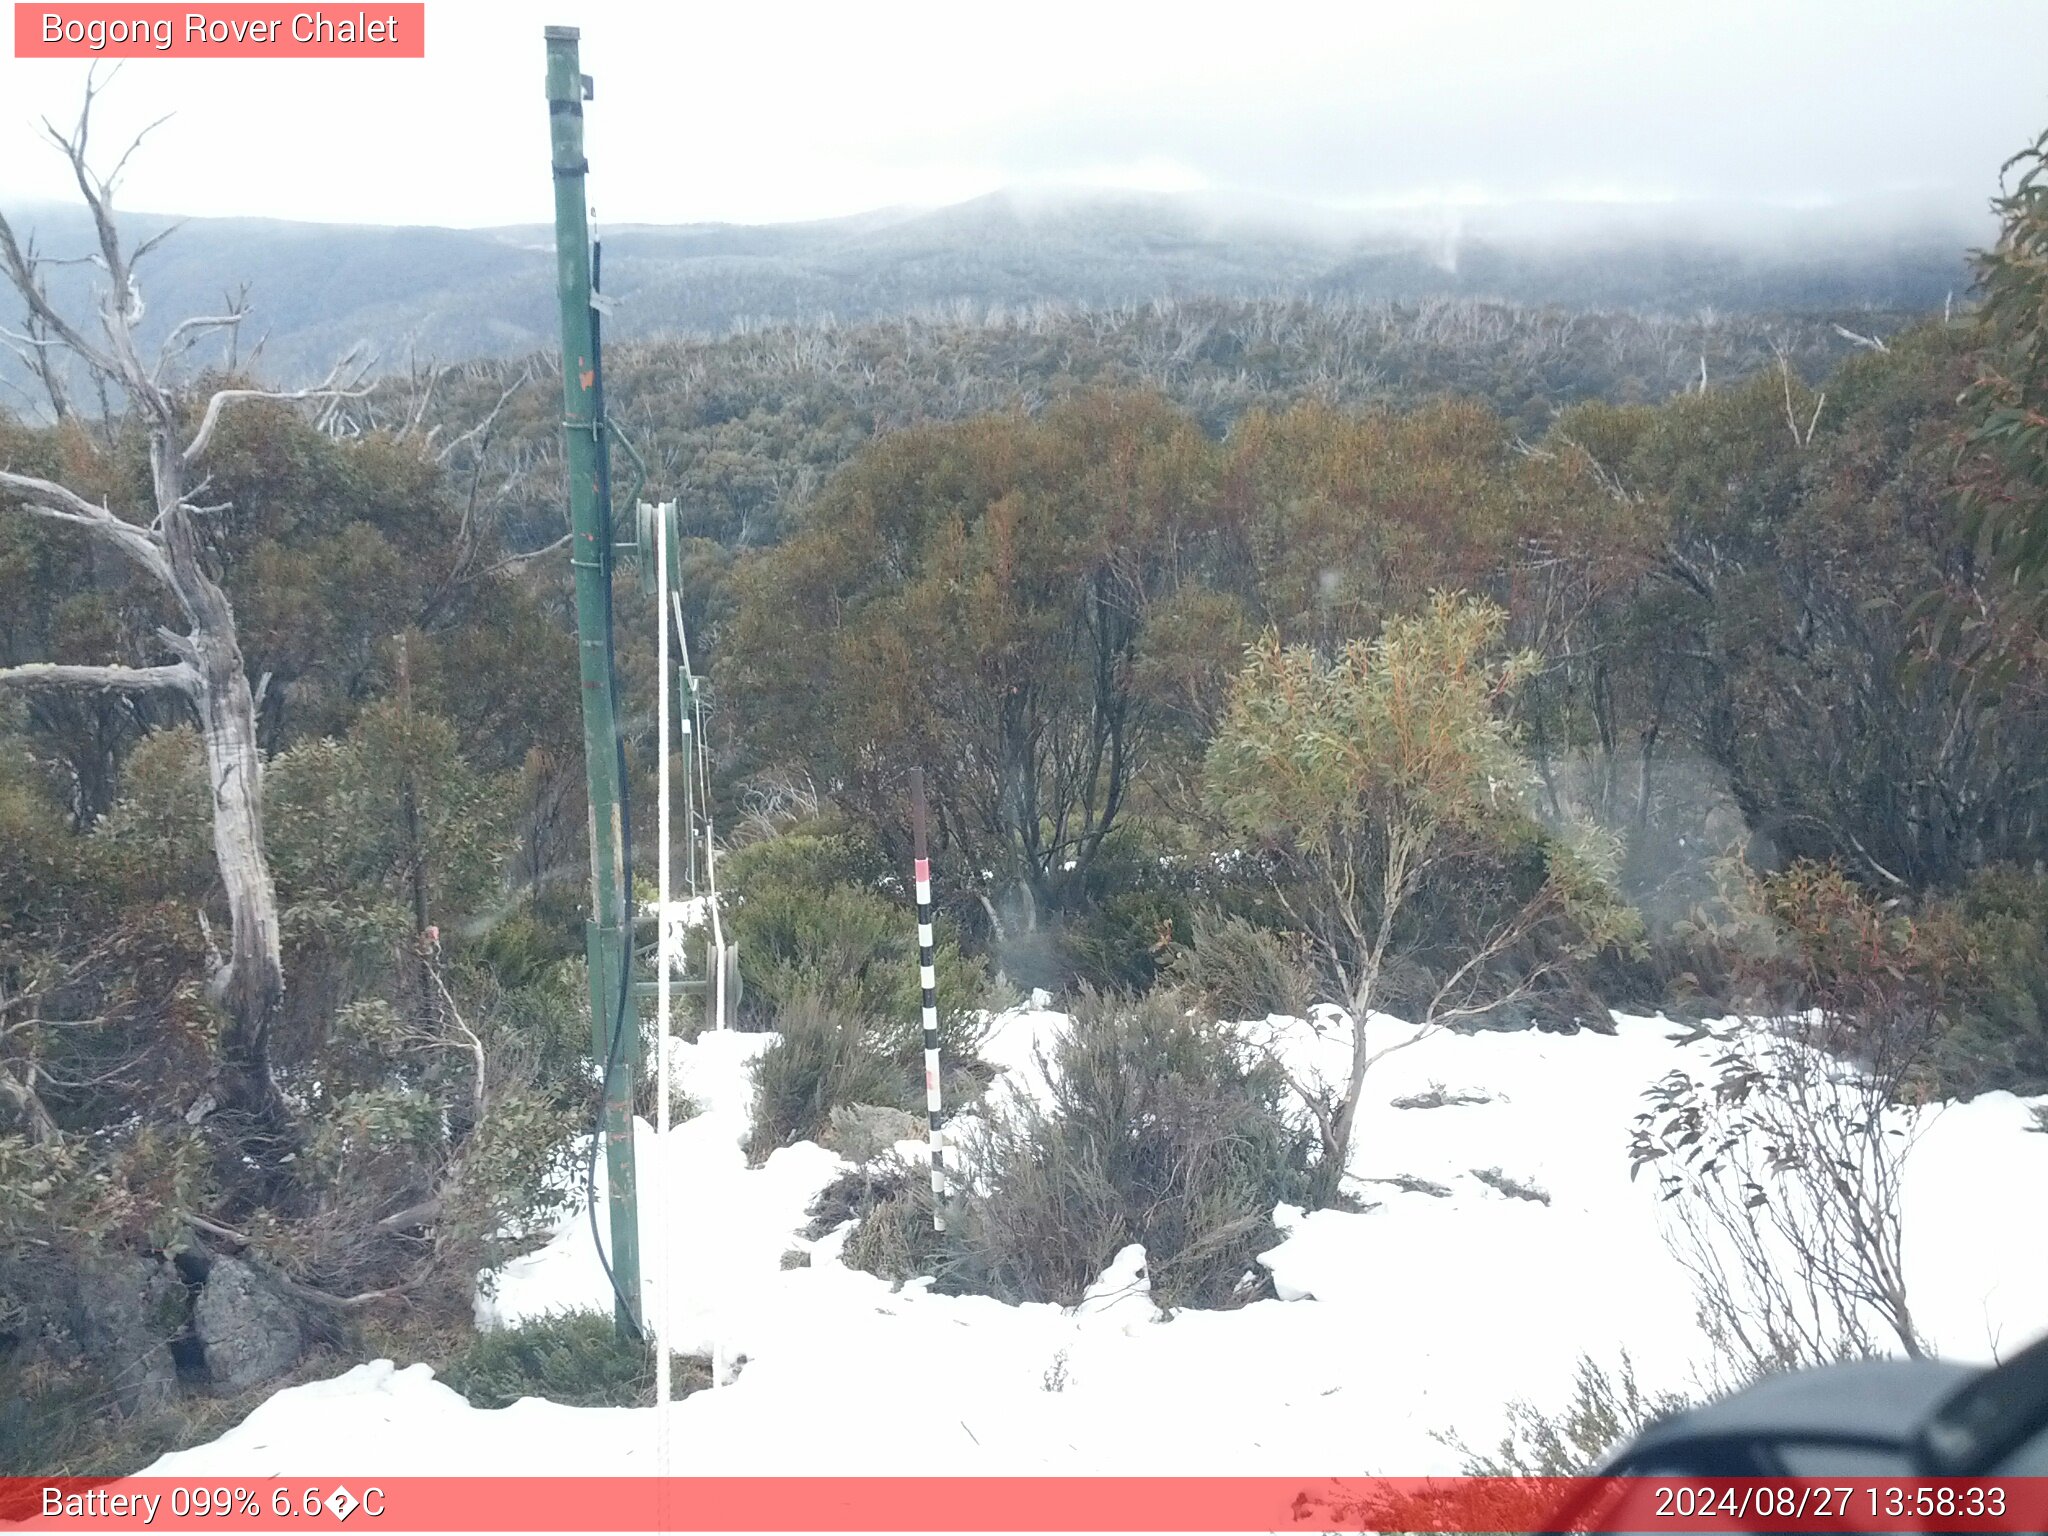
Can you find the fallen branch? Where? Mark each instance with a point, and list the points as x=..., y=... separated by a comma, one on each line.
x=286, y=1283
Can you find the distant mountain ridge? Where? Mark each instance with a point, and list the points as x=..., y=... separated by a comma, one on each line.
x=450, y=294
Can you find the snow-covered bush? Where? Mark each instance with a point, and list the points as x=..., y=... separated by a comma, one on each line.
x=1162, y=1129
x=890, y=1204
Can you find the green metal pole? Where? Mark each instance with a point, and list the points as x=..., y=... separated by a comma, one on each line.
x=608, y=933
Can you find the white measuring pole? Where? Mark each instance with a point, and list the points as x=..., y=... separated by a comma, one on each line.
x=664, y=970
x=717, y=926
x=928, y=984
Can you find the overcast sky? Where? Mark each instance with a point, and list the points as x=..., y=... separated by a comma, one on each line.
x=765, y=111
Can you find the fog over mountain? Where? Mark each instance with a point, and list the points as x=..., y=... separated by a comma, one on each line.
x=444, y=294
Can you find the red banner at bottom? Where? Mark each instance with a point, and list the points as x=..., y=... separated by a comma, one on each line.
x=1192, y=1504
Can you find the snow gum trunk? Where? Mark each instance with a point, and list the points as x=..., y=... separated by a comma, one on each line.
x=248, y=984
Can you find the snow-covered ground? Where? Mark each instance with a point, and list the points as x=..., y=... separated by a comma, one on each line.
x=1426, y=1314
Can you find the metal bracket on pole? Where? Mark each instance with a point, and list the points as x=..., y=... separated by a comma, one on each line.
x=641, y=551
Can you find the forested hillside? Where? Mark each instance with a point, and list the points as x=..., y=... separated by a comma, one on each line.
x=745, y=428
x=1488, y=665
x=447, y=295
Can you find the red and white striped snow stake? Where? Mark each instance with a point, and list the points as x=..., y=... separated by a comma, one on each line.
x=928, y=979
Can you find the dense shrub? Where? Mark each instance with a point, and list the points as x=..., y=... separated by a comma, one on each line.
x=1237, y=970
x=68, y=1424
x=1161, y=1131
x=1120, y=942
x=1999, y=1038
x=1129, y=910
x=575, y=1358
x=811, y=920
x=825, y=1055
x=816, y=851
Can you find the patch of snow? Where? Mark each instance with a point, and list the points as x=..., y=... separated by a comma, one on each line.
x=1422, y=1314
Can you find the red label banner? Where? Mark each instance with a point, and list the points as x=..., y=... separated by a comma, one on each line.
x=226, y=31
x=1052, y=1504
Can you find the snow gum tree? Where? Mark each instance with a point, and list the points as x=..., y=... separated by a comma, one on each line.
x=1373, y=784
x=156, y=525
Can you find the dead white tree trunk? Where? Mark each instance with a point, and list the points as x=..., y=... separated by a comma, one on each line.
x=160, y=539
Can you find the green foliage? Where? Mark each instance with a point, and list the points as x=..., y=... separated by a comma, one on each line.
x=818, y=851
x=129, y=946
x=521, y=945
x=1998, y=1037
x=546, y=1014
x=1368, y=778
x=1161, y=1131
x=1348, y=516
x=362, y=1128
x=1132, y=907
x=41, y=864
x=1118, y=941
x=125, y=1188
x=836, y=940
x=2007, y=474
x=1397, y=740
x=811, y=921
x=974, y=598
x=573, y=1358
x=162, y=826
x=538, y=1101
x=468, y=1106
x=386, y=825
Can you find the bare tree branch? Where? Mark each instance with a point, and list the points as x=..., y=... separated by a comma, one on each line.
x=511, y=562
x=144, y=247
x=113, y=179
x=297, y=1288
x=21, y=274
x=198, y=328
x=483, y=428
x=177, y=676
x=42, y=1128
x=61, y=504
x=330, y=388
